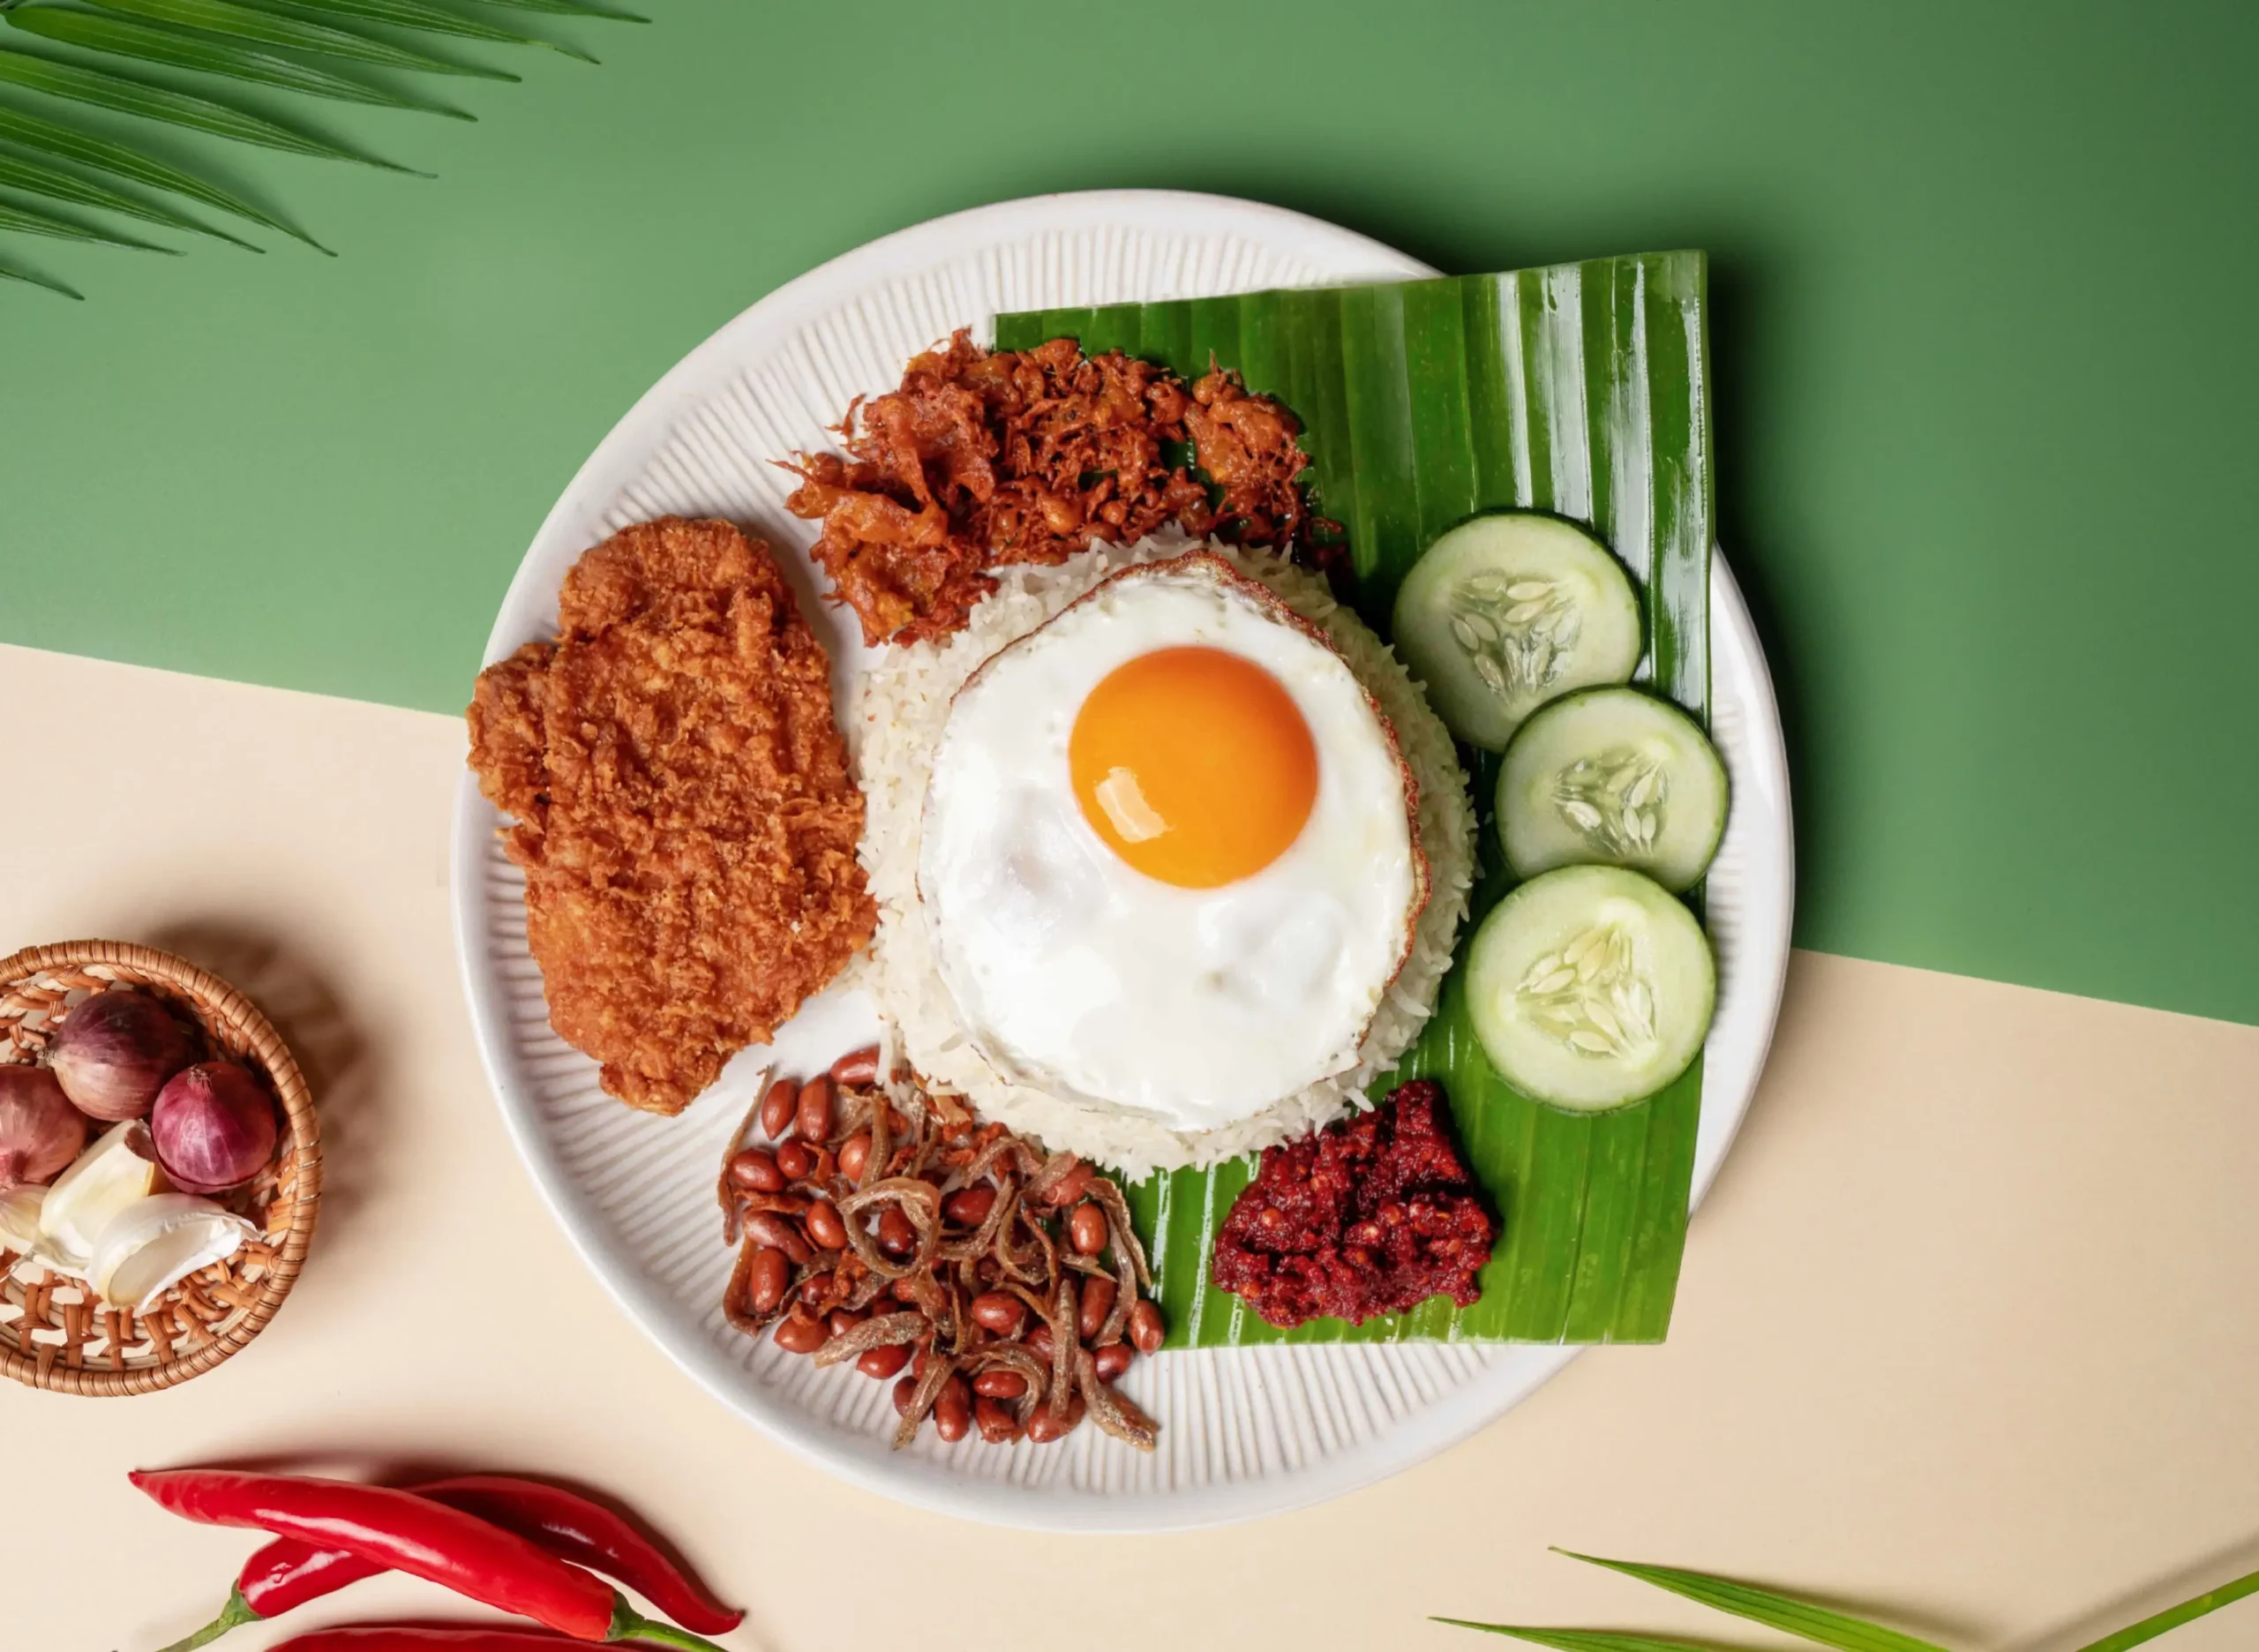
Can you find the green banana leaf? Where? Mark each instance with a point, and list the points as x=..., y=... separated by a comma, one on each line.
x=1580, y=389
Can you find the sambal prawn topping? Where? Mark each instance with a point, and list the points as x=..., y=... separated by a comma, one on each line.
x=1000, y=1288
x=1371, y=1216
x=985, y=458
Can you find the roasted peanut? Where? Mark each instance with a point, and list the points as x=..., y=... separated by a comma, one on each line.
x=756, y=1171
x=883, y=1361
x=1043, y=1428
x=767, y=1227
x=953, y=1411
x=969, y=1207
x=797, y=1333
x=777, y=1108
x=1038, y=1341
x=812, y=1118
x=999, y=1385
x=766, y=1279
x=825, y=1226
x=1098, y=1302
x=842, y=1320
x=1145, y=1327
x=813, y=1289
x=897, y=1237
x=1111, y=1360
x=997, y=1423
x=1072, y=1186
x=794, y=1162
x=854, y=1154
x=857, y=1067
x=1086, y=1229
x=903, y=1391
x=998, y=1311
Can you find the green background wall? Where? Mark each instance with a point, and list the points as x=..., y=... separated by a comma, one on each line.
x=1985, y=343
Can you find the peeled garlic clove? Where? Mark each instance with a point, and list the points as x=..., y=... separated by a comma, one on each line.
x=158, y=1242
x=20, y=1210
x=119, y=1170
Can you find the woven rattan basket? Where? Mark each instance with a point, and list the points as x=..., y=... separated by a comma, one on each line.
x=54, y=1333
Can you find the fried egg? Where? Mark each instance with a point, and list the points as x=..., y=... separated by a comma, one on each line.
x=1168, y=861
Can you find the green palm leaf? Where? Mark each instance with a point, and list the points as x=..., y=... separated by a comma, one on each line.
x=225, y=17
x=1775, y=1612
x=9, y=273
x=39, y=179
x=414, y=14
x=97, y=32
x=31, y=221
x=135, y=97
x=35, y=131
x=1577, y=1640
x=2173, y=1617
x=571, y=8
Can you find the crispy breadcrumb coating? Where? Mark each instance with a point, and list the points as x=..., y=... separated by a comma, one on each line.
x=682, y=804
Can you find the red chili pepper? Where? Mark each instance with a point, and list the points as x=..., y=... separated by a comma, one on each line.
x=402, y=1532
x=591, y=1535
x=392, y=1638
x=287, y=1574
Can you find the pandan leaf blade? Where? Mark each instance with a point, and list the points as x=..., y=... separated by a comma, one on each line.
x=36, y=132
x=2173, y=1617
x=116, y=93
x=31, y=221
x=127, y=39
x=242, y=22
x=35, y=178
x=414, y=14
x=1784, y=1612
x=33, y=279
x=1577, y=1640
x=571, y=8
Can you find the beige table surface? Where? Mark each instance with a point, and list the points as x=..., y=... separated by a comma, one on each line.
x=1969, y=1325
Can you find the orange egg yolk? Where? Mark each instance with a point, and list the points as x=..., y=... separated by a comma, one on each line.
x=1194, y=765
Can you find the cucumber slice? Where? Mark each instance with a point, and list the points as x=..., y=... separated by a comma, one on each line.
x=1505, y=612
x=1612, y=776
x=1590, y=988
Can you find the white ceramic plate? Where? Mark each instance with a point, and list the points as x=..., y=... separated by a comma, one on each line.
x=1245, y=1432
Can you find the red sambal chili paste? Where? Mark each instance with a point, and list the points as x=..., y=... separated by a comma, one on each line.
x=1371, y=1216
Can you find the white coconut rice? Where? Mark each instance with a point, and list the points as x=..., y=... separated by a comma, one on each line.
x=895, y=724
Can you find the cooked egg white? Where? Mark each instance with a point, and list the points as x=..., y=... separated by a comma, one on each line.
x=1167, y=862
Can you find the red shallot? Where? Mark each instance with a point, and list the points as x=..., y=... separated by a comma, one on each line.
x=40, y=1130
x=114, y=1052
x=214, y=1128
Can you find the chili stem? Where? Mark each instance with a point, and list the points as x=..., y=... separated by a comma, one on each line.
x=236, y=1613
x=632, y=1625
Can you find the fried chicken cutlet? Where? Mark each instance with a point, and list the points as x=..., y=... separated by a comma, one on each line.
x=682, y=806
